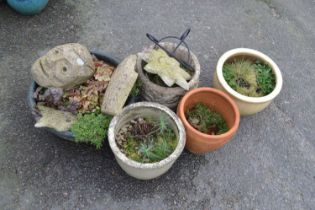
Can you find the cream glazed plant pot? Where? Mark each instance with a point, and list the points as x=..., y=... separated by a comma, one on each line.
x=247, y=105
x=145, y=171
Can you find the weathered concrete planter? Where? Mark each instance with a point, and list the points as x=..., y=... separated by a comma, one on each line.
x=145, y=170
x=247, y=105
x=168, y=96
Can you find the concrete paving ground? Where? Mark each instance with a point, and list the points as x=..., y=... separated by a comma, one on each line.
x=270, y=164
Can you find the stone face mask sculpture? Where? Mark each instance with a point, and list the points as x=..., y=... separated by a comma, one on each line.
x=64, y=66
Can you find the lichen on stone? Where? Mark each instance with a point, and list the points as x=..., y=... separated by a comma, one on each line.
x=167, y=68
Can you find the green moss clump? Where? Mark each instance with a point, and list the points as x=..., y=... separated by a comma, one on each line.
x=249, y=79
x=206, y=120
x=91, y=128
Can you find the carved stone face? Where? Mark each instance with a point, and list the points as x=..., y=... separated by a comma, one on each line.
x=64, y=66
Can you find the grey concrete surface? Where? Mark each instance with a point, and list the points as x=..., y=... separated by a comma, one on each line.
x=270, y=164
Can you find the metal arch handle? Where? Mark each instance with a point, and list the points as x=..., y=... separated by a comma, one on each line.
x=182, y=40
x=152, y=38
x=185, y=34
x=172, y=54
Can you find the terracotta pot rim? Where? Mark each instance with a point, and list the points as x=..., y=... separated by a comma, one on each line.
x=213, y=138
x=253, y=53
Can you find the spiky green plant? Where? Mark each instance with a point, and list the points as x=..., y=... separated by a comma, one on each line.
x=157, y=149
x=162, y=123
x=155, y=146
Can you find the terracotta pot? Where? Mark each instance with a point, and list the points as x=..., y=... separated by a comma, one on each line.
x=136, y=169
x=167, y=96
x=247, y=105
x=198, y=142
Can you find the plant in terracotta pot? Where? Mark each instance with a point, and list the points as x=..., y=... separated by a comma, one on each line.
x=146, y=139
x=250, y=77
x=164, y=79
x=206, y=120
x=211, y=118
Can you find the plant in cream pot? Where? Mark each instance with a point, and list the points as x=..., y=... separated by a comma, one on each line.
x=250, y=77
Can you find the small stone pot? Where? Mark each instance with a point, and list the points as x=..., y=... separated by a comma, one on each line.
x=136, y=169
x=198, y=142
x=247, y=105
x=168, y=96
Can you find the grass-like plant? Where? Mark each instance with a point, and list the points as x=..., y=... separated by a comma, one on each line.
x=248, y=78
x=206, y=120
x=150, y=141
x=91, y=128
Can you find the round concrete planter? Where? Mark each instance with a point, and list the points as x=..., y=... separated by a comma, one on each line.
x=135, y=169
x=247, y=105
x=168, y=96
x=198, y=142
